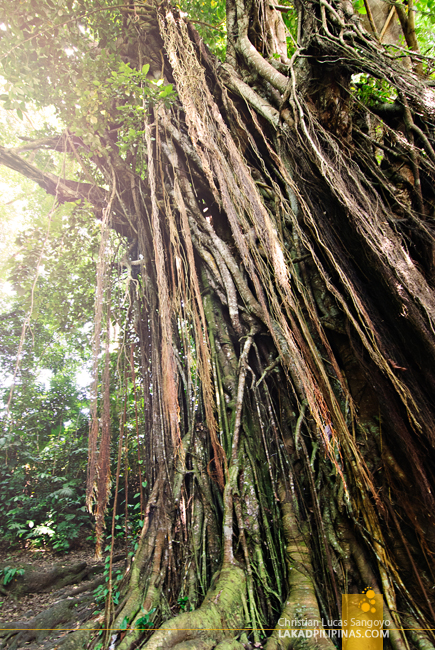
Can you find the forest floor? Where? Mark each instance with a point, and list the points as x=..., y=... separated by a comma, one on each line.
x=50, y=580
x=26, y=606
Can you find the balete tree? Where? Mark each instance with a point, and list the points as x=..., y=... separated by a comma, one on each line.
x=275, y=206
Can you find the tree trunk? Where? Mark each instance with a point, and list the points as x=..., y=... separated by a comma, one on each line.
x=280, y=244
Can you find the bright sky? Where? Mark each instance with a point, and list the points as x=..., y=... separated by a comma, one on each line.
x=15, y=191
x=16, y=207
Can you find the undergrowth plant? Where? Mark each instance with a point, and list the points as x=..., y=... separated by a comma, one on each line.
x=9, y=573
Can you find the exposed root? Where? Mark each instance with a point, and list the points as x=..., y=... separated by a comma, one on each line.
x=219, y=617
x=43, y=581
x=301, y=602
x=233, y=644
x=65, y=613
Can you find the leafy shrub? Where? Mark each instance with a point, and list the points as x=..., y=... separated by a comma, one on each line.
x=42, y=518
x=9, y=573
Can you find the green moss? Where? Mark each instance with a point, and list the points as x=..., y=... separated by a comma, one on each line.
x=220, y=614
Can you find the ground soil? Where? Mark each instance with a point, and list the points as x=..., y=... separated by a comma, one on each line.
x=28, y=606
x=24, y=608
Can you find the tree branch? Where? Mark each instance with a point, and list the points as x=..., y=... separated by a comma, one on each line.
x=65, y=190
x=61, y=142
